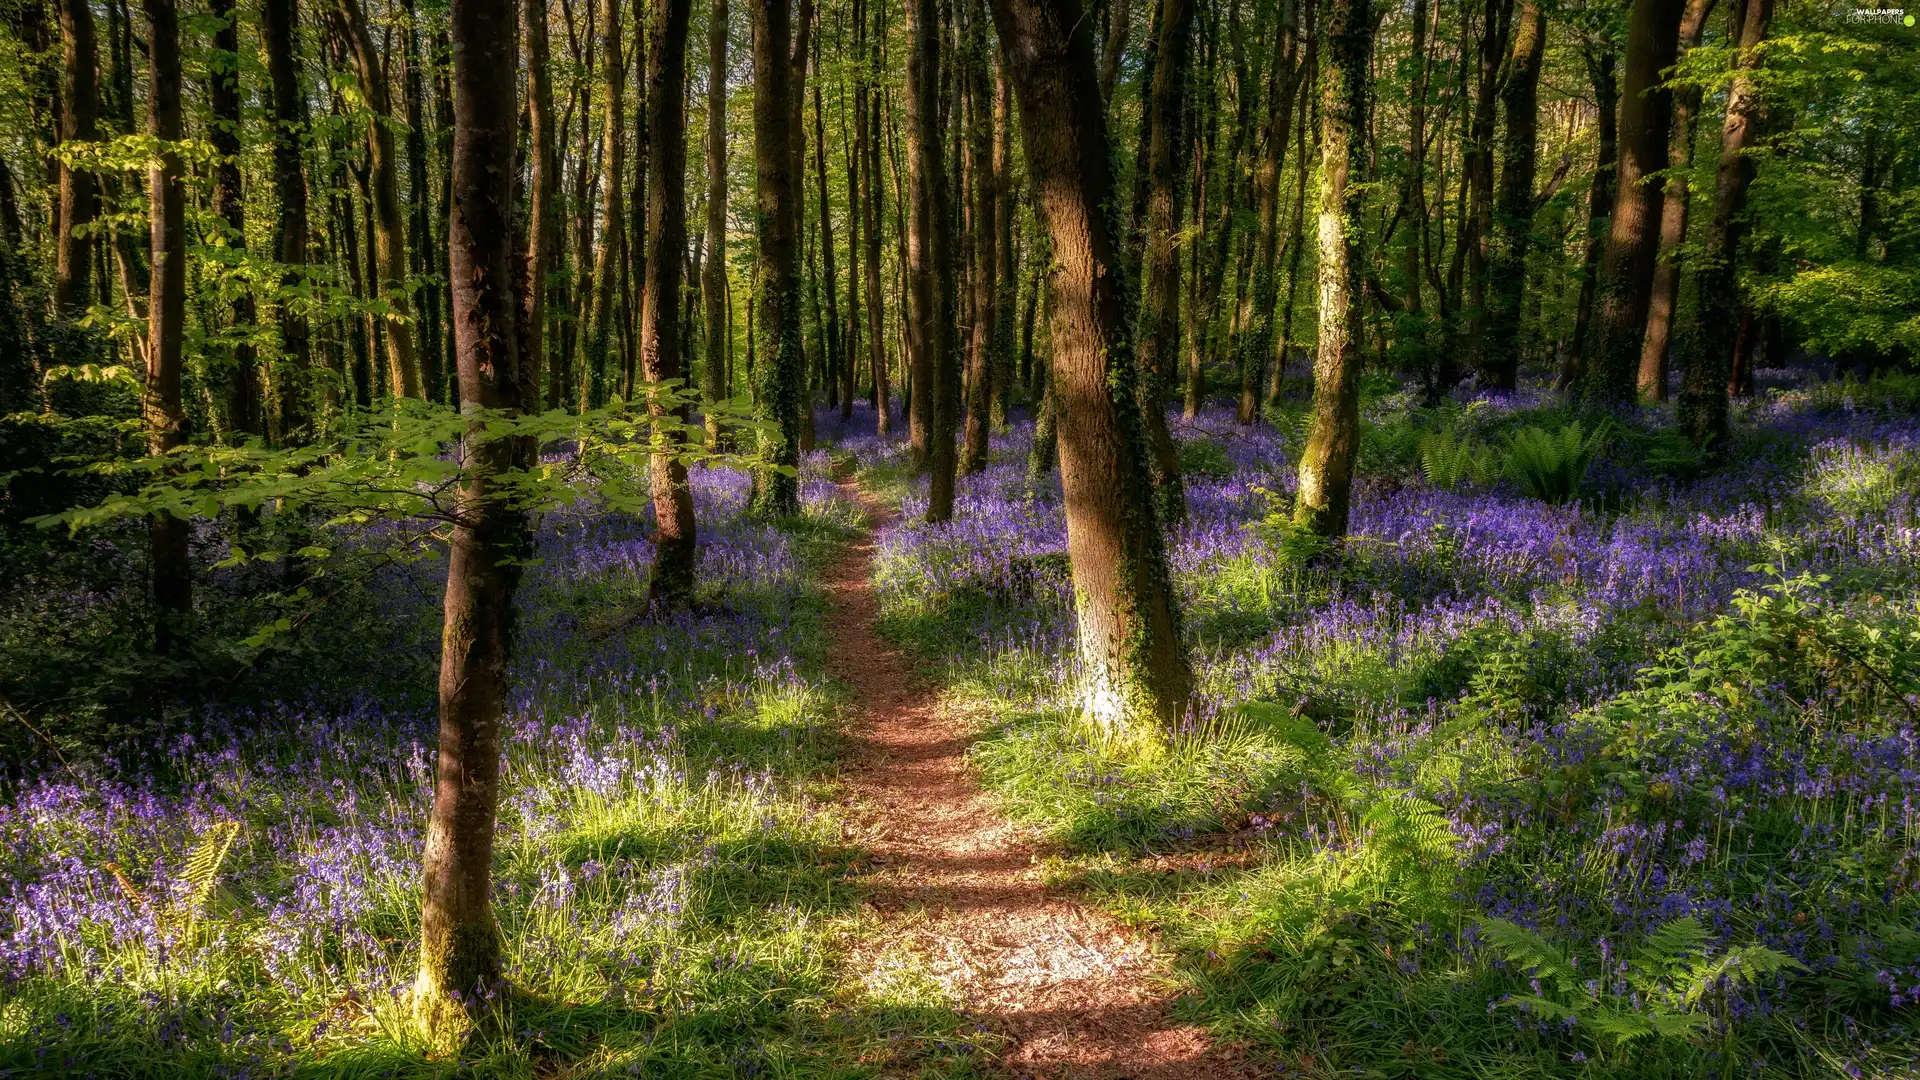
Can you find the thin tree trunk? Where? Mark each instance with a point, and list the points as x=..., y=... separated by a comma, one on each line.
x=1333, y=439
x=460, y=965
x=1255, y=340
x=1126, y=608
x=1512, y=237
x=78, y=199
x=851, y=157
x=1625, y=283
x=426, y=260
x=715, y=387
x=1600, y=70
x=776, y=306
x=660, y=346
x=166, y=319
x=1717, y=361
x=834, y=349
x=1665, y=298
x=1006, y=275
x=1160, y=339
x=867, y=136
x=245, y=415
x=986, y=236
x=543, y=228
x=389, y=241
x=610, y=254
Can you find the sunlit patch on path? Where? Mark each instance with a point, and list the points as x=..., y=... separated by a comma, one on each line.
x=958, y=896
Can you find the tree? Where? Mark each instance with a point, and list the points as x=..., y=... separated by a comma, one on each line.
x=166, y=317
x=383, y=167
x=1127, y=614
x=986, y=239
x=1673, y=220
x=1625, y=282
x=1256, y=340
x=543, y=211
x=926, y=169
x=1333, y=439
x=781, y=376
x=713, y=384
x=80, y=101
x=1711, y=343
x=277, y=27
x=459, y=939
x=867, y=148
x=660, y=344
x=244, y=407
x=1512, y=234
x=1160, y=329
x=1600, y=72
x=610, y=254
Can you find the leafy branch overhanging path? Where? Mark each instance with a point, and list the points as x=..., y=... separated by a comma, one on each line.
x=960, y=894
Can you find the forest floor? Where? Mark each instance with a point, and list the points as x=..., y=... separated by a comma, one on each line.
x=958, y=889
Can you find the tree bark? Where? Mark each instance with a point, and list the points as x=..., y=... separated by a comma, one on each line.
x=714, y=384
x=925, y=169
x=245, y=415
x=835, y=350
x=427, y=260
x=1663, y=301
x=1625, y=283
x=1126, y=608
x=166, y=318
x=1512, y=236
x=673, y=561
x=1160, y=341
x=986, y=238
x=1256, y=338
x=79, y=198
x=1333, y=440
x=1600, y=71
x=460, y=966
x=543, y=211
x=390, y=237
x=609, y=254
x=868, y=138
x=1716, y=355
x=781, y=374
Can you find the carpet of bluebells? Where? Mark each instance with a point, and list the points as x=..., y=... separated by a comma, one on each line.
x=1623, y=786
x=242, y=898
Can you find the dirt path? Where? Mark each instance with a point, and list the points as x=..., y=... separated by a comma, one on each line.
x=959, y=892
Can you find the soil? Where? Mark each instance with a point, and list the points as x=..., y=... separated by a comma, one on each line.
x=958, y=890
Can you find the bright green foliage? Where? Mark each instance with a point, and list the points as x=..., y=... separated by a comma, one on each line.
x=1448, y=459
x=1552, y=465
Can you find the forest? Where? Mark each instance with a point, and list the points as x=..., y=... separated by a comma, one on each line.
x=1044, y=539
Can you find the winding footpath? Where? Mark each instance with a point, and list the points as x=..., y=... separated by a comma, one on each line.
x=958, y=890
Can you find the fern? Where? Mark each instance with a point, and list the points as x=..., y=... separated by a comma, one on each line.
x=1447, y=459
x=1670, y=974
x=203, y=872
x=1552, y=465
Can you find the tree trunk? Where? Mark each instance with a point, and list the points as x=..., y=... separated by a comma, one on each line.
x=834, y=348
x=1599, y=206
x=776, y=308
x=1006, y=275
x=427, y=262
x=1256, y=338
x=459, y=940
x=390, y=238
x=673, y=560
x=714, y=385
x=80, y=101
x=925, y=169
x=1333, y=440
x=1512, y=238
x=610, y=254
x=1625, y=283
x=1654, y=348
x=868, y=137
x=850, y=343
x=166, y=318
x=1476, y=228
x=543, y=211
x=1716, y=355
x=1126, y=608
x=245, y=416
x=1160, y=339
x=986, y=237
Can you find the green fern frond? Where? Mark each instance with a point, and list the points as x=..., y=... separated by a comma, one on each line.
x=203, y=870
x=1620, y=1025
x=1526, y=949
x=1743, y=966
x=1670, y=945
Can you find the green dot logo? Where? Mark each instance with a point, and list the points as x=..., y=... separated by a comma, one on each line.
x=1908, y=20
